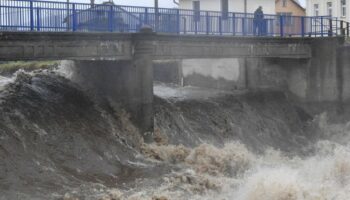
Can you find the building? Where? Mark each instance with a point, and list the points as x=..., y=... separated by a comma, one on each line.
x=289, y=8
x=238, y=6
x=334, y=8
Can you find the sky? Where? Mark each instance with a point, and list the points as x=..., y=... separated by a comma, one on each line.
x=162, y=3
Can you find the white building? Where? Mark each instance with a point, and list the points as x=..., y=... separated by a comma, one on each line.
x=334, y=8
x=240, y=6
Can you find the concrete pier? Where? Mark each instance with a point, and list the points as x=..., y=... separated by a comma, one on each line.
x=126, y=84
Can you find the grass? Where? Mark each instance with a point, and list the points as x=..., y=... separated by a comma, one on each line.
x=8, y=68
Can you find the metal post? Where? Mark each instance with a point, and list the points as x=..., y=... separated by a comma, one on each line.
x=315, y=24
x=336, y=26
x=233, y=24
x=68, y=16
x=341, y=24
x=156, y=17
x=311, y=26
x=74, y=19
x=146, y=16
x=31, y=16
x=330, y=31
x=185, y=25
x=220, y=25
x=302, y=26
x=1, y=16
x=196, y=24
x=281, y=26
x=243, y=26
x=347, y=28
x=178, y=21
x=207, y=21
x=110, y=19
x=196, y=27
x=38, y=19
x=321, y=26
x=140, y=22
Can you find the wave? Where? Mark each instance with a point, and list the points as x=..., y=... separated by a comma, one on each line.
x=57, y=142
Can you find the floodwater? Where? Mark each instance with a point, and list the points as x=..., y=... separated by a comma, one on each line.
x=56, y=142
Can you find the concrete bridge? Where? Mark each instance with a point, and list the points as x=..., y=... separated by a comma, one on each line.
x=123, y=46
x=120, y=65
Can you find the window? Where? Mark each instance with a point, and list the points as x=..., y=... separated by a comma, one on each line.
x=343, y=8
x=197, y=10
x=284, y=3
x=329, y=8
x=224, y=9
x=316, y=11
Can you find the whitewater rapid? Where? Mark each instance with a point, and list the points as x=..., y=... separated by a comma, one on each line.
x=58, y=143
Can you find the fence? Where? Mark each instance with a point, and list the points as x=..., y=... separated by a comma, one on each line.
x=27, y=15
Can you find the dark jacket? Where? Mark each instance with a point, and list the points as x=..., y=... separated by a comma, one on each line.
x=258, y=14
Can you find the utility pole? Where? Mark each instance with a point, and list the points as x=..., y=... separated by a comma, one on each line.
x=245, y=7
x=156, y=12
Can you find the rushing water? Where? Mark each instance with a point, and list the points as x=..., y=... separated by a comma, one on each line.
x=57, y=143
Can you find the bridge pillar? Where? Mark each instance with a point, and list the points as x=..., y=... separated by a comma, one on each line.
x=123, y=84
x=120, y=85
x=142, y=62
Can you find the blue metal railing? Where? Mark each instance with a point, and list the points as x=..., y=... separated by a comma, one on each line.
x=27, y=15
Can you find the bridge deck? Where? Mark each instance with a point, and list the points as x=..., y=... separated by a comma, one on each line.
x=119, y=46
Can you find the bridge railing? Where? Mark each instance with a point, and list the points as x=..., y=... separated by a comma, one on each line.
x=32, y=15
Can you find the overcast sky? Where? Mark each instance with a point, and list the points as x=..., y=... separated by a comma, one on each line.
x=162, y=3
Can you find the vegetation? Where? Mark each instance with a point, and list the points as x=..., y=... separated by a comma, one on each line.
x=8, y=68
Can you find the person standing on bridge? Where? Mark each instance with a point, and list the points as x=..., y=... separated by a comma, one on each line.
x=258, y=21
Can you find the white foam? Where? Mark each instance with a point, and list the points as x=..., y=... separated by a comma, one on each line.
x=168, y=91
x=4, y=81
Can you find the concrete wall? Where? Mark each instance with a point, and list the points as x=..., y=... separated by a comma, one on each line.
x=322, y=70
x=168, y=71
x=214, y=73
x=247, y=73
x=343, y=75
x=118, y=84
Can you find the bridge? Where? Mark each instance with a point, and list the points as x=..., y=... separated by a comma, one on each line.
x=119, y=59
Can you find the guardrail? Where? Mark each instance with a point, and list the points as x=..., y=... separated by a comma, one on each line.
x=31, y=15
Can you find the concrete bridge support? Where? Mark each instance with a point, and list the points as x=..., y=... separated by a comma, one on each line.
x=125, y=84
x=121, y=84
